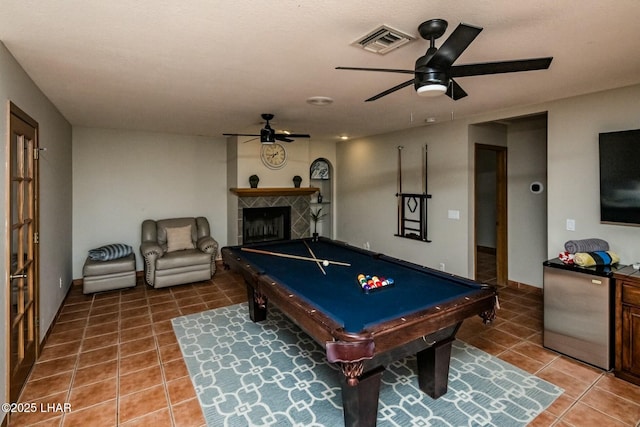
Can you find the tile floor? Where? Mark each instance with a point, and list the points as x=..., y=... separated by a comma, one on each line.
x=113, y=356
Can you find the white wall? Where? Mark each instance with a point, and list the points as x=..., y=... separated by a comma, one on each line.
x=527, y=212
x=367, y=208
x=573, y=168
x=121, y=178
x=55, y=199
x=249, y=163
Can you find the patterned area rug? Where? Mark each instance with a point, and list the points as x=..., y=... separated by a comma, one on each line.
x=273, y=374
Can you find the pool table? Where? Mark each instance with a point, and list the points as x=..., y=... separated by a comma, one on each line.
x=362, y=332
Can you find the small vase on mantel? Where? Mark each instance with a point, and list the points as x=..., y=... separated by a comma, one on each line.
x=297, y=180
x=253, y=181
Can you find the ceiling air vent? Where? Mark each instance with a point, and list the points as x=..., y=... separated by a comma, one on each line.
x=382, y=40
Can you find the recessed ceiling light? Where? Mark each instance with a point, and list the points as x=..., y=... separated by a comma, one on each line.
x=344, y=137
x=319, y=101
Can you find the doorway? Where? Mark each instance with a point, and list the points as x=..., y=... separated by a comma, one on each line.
x=23, y=240
x=491, y=214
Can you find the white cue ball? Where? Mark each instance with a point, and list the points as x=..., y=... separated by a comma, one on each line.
x=325, y=263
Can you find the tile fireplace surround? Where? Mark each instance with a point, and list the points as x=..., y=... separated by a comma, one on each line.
x=298, y=198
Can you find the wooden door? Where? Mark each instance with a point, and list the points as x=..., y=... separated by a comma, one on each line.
x=23, y=238
x=499, y=208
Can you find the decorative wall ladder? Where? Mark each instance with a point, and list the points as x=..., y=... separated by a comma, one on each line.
x=412, y=207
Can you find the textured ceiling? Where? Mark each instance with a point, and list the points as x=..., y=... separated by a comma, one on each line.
x=211, y=66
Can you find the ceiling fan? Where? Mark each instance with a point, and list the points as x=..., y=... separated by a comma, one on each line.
x=268, y=135
x=434, y=72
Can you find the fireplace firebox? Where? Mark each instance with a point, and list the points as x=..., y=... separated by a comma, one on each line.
x=266, y=224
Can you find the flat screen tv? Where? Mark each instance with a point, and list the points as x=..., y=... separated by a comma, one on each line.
x=620, y=177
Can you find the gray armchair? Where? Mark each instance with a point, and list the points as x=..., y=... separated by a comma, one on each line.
x=177, y=251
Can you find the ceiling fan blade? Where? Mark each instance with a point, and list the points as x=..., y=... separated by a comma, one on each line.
x=239, y=134
x=388, y=91
x=453, y=47
x=500, y=67
x=283, y=137
x=384, y=70
x=454, y=91
x=294, y=135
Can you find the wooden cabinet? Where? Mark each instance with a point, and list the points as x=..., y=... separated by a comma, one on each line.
x=627, y=365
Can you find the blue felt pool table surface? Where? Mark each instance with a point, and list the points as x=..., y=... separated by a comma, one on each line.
x=338, y=293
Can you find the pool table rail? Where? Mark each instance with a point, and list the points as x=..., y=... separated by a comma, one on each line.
x=340, y=344
x=262, y=288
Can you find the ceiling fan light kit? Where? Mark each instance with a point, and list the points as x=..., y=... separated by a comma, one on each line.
x=431, y=90
x=267, y=135
x=434, y=71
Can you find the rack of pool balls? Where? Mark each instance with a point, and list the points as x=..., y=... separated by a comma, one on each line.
x=373, y=283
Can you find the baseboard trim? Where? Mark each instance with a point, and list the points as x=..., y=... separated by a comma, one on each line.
x=53, y=323
x=523, y=286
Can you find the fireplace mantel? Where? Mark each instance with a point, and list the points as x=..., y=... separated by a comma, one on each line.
x=274, y=191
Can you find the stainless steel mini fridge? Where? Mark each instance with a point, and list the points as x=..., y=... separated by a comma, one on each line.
x=578, y=312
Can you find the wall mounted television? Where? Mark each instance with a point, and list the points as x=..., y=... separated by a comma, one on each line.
x=620, y=177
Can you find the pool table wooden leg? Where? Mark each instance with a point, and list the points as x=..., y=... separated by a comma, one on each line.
x=257, y=304
x=433, y=368
x=360, y=402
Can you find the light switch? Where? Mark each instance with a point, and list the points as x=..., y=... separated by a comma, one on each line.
x=571, y=224
x=452, y=214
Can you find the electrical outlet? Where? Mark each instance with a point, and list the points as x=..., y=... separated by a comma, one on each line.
x=60, y=281
x=442, y=266
x=366, y=245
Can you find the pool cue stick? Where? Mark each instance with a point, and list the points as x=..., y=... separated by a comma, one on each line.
x=399, y=195
x=315, y=257
x=423, y=210
x=424, y=171
x=301, y=258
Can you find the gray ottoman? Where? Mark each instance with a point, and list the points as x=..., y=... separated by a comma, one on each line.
x=98, y=276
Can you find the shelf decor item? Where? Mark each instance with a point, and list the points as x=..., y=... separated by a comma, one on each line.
x=297, y=180
x=253, y=181
x=319, y=169
x=319, y=197
x=316, y=217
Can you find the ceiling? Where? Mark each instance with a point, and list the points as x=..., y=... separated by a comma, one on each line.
x=205, y=67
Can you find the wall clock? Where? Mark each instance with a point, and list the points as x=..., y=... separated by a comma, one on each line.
x=274, y=156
